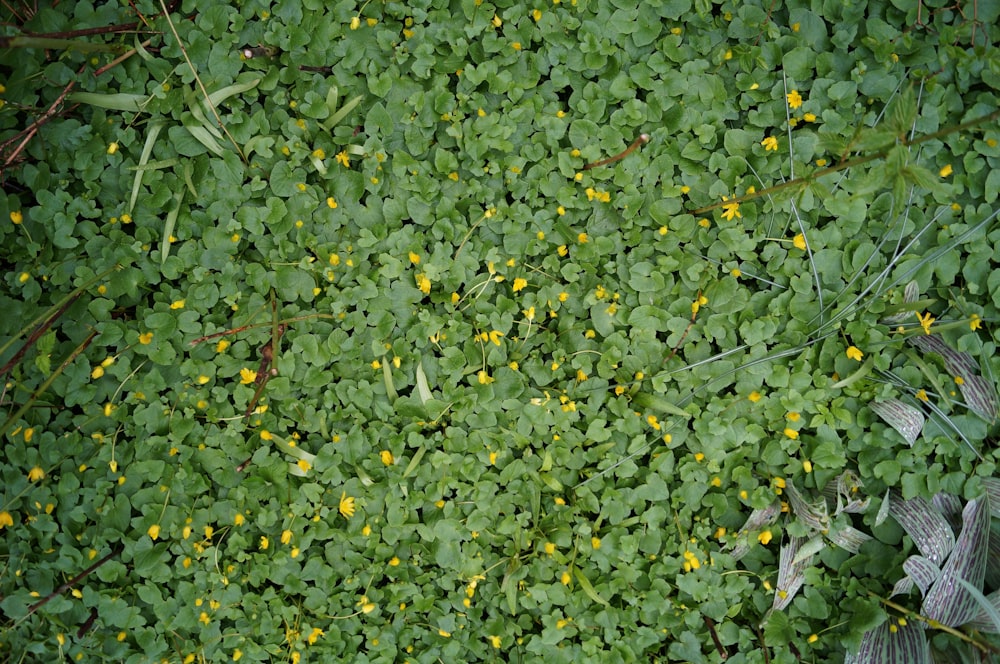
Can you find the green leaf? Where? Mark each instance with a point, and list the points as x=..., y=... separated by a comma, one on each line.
x=587, y=588
x=153, y=131
x=116, y=102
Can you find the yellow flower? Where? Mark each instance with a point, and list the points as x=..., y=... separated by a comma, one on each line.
x=346, y=507
x=414, y=258
x=484, y=377
x=854, y=353
x=925, y=322
x=731, y=211
x=799, y=241
x=154, y=531
x=331, y=203
x=394, y=561
x=387, y=458
x=794, y=99
x=237, y=654
x=264, y=543
x=36, y=474
x=595, y=543
x=286, y=536
x=770, y=143
x=319, y=153
x=97, y=372
x=765, y=537
x=791, y=433
x=807, y=466
x=754, y=396
x=16, y=216
x=112, y=148
x=314, y=635
x=945, y=171
x=975, y=322
x=355, y=23
x=146, y=338
x=495, y=641
x=519, y=284
x=247, y=376
x=565, y=578
x=809, y=117
x=344, y=159
x=6, y=519
x=423, y=283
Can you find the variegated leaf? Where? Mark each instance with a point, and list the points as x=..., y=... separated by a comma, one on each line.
x=946, y=601
x=811, y=514
x=902, y=587
x=923, y=572
x=848, y=538
x=980, y=396
x=757, y=520
x=925, y=526
x=904, y=418
x=985, y=622
x=893, y=644
x=791, y=574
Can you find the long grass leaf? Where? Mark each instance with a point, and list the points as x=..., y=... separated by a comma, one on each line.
x=168, y=226
x=205, y=138
x=154, y=129
x=587, y=588
x=219, y=96
x=335, y=119
x=120, y=101
x=423, y=389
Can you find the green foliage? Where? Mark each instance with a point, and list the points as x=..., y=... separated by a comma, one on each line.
x=321, y=341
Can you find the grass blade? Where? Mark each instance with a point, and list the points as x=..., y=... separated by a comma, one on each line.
x=147, y=149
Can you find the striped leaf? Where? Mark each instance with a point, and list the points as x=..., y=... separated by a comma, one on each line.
x=922, y=571
x=892, y=643
x=791, y=572
x=947, y=601
x=925, y=526
x=904, y=418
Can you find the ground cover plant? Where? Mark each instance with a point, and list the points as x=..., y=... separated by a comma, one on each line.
x=457, y=330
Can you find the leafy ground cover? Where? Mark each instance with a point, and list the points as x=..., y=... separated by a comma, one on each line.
x=325, y=338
